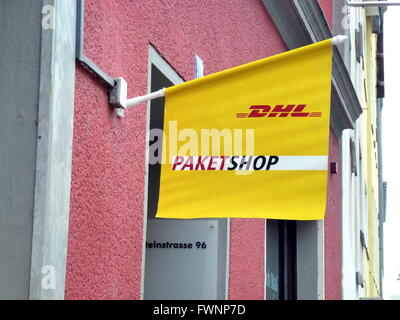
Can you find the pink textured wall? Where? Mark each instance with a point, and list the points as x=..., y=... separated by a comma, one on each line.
x=326, y=6
x=333, y=234
x=106, y=218
x=247, y=259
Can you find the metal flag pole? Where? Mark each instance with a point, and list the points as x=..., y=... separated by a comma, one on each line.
x=372, y=3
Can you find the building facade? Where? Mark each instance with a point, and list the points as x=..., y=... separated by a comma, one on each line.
x=362, y=159
x=78, y=192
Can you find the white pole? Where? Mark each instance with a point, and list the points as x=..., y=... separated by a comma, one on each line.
x=154, y=95
x=372, y=3
x=338, y=39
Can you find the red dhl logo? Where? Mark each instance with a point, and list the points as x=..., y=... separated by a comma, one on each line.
x=281, y=111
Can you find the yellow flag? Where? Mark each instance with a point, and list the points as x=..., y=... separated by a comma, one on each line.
x=251, y=141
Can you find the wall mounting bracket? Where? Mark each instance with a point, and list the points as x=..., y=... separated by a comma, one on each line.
x=117, y=88
x=80, y=56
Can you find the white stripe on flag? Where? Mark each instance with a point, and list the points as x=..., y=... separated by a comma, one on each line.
x=249, y=163
x=301, y=163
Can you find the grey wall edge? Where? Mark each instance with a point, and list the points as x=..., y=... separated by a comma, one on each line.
x=301, y=22
x=20, y=35
x=54, y=153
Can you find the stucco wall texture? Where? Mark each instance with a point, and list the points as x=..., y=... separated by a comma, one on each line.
x=106, y=217
x=333, y=216
x=326, y=6
x=332, y=223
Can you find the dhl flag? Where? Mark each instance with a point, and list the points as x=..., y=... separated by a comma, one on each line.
x=251, y=141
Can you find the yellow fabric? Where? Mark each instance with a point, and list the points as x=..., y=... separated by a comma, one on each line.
x=300, y=76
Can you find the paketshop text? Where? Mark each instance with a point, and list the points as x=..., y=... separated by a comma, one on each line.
x=192, y=163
